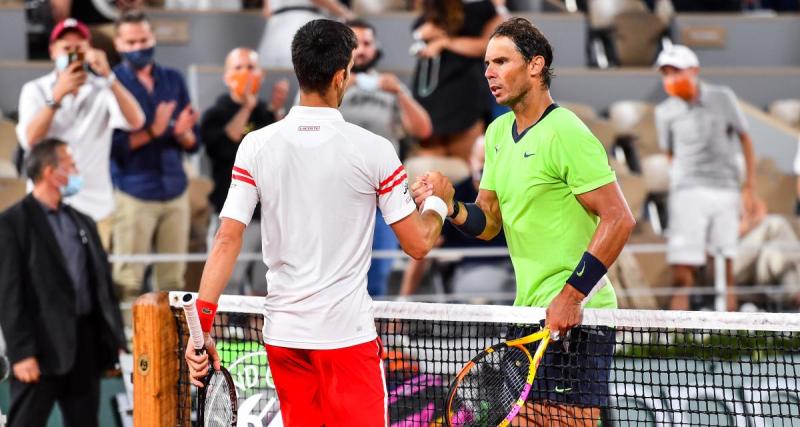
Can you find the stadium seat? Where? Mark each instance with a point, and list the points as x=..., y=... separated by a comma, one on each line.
x=787, y=111
x=8, y=139
x=637, y=38
x=11, y=191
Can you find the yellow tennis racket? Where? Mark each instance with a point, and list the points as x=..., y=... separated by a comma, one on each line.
x=493, y=386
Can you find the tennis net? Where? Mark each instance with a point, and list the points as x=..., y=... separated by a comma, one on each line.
x=622, y=367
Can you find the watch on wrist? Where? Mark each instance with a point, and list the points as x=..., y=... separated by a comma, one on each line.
x=52, y=103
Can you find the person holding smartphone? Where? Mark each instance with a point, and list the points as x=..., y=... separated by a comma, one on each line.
x=80, y=102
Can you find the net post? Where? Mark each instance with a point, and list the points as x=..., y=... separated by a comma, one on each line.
x=156, y=366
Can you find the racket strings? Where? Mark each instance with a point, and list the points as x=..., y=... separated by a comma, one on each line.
x=490, y=389
x=218, y=406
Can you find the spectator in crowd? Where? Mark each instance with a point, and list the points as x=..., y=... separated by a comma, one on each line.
x=451, y=37
x=58, y=309
x=760, y=264
x=284, y=18
x=380, y=103
x=81, y=102
x=703, y=131
x=471, y=275
x=222, y=128
x=147, y=165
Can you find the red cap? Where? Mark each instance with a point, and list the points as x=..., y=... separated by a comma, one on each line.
x=69, y=24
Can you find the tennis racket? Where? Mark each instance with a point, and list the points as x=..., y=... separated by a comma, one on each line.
x=492, y=387
x=216, y=401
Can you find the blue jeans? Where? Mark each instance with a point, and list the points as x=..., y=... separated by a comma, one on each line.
x=381, y=268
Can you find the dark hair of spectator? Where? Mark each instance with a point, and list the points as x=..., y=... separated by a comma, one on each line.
x=321, y=48
x=360, y=23
x=530, y=42
x=43, y=154
x=132, y=16
x=447, y=14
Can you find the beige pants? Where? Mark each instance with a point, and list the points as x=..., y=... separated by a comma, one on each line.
x=141, y=226
x=104, y=229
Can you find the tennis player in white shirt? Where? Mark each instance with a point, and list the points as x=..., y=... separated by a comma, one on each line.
x=318, y=179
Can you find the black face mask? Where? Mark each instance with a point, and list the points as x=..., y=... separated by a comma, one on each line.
x=369, y=65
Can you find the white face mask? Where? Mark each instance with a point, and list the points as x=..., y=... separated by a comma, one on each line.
x=368, y=82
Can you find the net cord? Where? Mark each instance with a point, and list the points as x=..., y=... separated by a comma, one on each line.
x=674, y=319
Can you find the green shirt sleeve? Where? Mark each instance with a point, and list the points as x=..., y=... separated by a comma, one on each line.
x=487, y=178
x=579, y=159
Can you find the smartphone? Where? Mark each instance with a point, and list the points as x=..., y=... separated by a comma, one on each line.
x=78, y=57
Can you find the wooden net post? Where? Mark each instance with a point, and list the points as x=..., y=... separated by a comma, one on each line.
x=156, y=364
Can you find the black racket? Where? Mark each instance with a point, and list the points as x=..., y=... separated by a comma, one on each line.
x=216, y=401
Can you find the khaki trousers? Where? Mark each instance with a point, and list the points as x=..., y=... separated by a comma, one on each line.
x=142, y=227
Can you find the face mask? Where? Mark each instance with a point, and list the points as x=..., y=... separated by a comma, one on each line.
x=140, y=58
x=73, y=185
x=62, y=62
x=238, y=82
x=368, y=82
x=682, y=87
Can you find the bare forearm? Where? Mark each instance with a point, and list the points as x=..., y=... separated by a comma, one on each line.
x=334, y=6
x=610, y=237
x=416, y=121
x=468, y=46
x=412, y=276
x=749, y=159
x=219, y=267
x=187, y=140
x=38, y=127
x=128, y=105
x=235, y=127
x=138, y=138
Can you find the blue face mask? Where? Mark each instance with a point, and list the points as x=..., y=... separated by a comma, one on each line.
x=140, y=58
x=62, y=62
x=73, y=185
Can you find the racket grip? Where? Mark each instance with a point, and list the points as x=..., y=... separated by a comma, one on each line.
x=193, y=321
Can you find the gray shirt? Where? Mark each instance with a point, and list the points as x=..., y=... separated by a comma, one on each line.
x=72, y=241
x=702, y=137
x=374, y=110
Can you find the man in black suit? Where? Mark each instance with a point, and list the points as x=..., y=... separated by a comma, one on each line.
x=58, y=310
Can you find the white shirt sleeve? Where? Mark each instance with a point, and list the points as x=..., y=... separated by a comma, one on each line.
x=116, y=120
x=31, y=100
x=394, y=197
x=243, y=193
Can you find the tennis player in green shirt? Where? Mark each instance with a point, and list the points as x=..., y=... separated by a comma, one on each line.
x=548, y=184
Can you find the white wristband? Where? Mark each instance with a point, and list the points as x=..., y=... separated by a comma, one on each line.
x=435, y=204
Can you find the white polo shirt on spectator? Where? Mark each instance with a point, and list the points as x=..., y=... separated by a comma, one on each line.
x=85, y=122
x=318, y=179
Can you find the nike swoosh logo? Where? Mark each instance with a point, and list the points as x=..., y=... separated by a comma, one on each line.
x=563, y=390
x=496, y=148
x=583, y=268
x=527, y=154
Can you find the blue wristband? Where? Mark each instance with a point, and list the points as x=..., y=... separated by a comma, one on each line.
x=588, y=272
x=475, y=224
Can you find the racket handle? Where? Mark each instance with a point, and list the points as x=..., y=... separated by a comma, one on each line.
x=193, y=322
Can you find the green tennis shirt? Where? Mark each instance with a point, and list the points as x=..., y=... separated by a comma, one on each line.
x=537, y=176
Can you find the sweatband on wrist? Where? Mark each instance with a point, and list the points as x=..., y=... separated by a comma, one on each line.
x=587, y=273
x=456, y=210
x=475, y=224
x=205, y=312
x=435, y=204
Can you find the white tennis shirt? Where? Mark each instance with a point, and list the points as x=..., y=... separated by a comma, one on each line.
x=318, y=179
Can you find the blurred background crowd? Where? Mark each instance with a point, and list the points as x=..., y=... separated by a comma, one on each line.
x=153, y=96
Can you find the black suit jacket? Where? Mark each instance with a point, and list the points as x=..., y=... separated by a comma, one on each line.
x=37, y=296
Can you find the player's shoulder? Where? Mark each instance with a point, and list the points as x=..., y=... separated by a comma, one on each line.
x=503, y=122
x=364, y=139
x=565, y=124
x=258, y=139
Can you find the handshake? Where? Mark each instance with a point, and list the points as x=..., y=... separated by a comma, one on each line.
x=433, y=184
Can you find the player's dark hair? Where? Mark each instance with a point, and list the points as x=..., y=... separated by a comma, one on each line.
x=320, y=49
x=43, y=154
x=131, y=16
x=530, y=43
